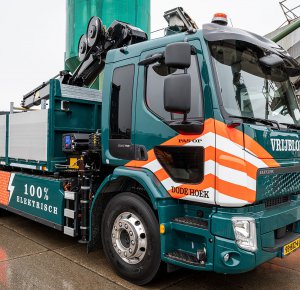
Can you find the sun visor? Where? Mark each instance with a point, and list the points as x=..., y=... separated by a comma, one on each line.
x=215, y=32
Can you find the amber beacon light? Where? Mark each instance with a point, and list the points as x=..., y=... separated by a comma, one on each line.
x=220, y=18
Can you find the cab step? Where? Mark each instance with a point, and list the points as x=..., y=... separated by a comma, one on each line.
x=187, y=258
x=69, y=195
x=70, y=213
x=191, y=221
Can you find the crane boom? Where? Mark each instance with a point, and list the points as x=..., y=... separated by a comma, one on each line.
x=92, y=50
x=94, y=46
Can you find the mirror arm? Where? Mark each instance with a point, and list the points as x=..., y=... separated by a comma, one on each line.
x=184, y=121
x=152, y=59
x=193, y=50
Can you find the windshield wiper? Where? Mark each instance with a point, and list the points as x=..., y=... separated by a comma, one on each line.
x=291, y=126
x=259, y=120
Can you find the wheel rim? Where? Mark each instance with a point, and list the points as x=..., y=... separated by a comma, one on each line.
x=129, y=238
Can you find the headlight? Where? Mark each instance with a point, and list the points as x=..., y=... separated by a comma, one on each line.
x=245, y=233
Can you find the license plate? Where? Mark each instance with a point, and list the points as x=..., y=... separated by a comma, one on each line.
x=291, y=247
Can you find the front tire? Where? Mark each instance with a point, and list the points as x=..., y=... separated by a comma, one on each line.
x=130, y=238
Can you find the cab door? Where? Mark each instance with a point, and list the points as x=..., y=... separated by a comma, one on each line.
x=180, y=155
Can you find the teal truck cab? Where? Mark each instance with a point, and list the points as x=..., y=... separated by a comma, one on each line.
x=190, y=156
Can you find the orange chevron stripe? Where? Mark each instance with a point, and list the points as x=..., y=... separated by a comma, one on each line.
x=230, y=161
x=257, y=149
x=236, y=191
x=271, y=162
x=246, y=141
x=4, y=193
x=210, y=153
x=161, y=174
x=232, y=134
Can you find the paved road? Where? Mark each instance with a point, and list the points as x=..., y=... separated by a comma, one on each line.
x=33, y=256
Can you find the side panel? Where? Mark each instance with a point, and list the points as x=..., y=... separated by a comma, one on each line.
x=2, y=135
x=36, y=197
x=28, y=134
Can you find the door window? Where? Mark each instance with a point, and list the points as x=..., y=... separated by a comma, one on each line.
x=156, y=74
x=121, y=103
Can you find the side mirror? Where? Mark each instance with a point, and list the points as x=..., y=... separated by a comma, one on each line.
x=271, y=60
x=177, y=94
x=178, y=55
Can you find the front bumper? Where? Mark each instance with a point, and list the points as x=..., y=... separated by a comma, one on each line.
x=267, y=222
x=218, y=238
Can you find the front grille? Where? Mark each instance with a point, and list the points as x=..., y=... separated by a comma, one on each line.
x=276, y=201
x=271, y=186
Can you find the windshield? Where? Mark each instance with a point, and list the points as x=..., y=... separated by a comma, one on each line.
x=248, y=88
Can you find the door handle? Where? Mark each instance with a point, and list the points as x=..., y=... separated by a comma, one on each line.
x=141, y=153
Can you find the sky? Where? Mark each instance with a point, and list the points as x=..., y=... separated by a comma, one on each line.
x=32, y=34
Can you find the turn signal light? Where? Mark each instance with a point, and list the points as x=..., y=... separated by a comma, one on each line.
x=162, y=229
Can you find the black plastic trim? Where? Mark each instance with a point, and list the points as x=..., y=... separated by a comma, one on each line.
x=34, y=218
x=163, y=154
x=290, y=237
x=279, y=170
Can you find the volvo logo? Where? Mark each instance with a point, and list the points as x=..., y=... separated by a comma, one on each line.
x=266, y=171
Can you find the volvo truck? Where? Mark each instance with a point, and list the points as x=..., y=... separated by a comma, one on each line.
x=188, y=157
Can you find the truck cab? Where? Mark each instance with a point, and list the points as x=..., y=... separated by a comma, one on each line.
x=224, y=158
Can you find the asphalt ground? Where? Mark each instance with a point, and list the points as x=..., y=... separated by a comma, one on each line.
x=33, y=256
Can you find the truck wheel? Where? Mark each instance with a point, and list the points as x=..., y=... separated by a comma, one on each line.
x=130, y=238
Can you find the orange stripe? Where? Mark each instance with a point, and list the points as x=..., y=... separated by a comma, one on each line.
x=4, y=193
x=161, y=174
x=246, y=141
x=210, y=153
x=271, y=162
x=232, y=134
x=230, y=161
x=257, y=149
x=236, y=191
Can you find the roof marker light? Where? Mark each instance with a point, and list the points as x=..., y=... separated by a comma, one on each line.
x=220, y=18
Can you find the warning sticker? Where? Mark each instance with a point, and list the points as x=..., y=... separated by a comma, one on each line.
x=4, y=192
